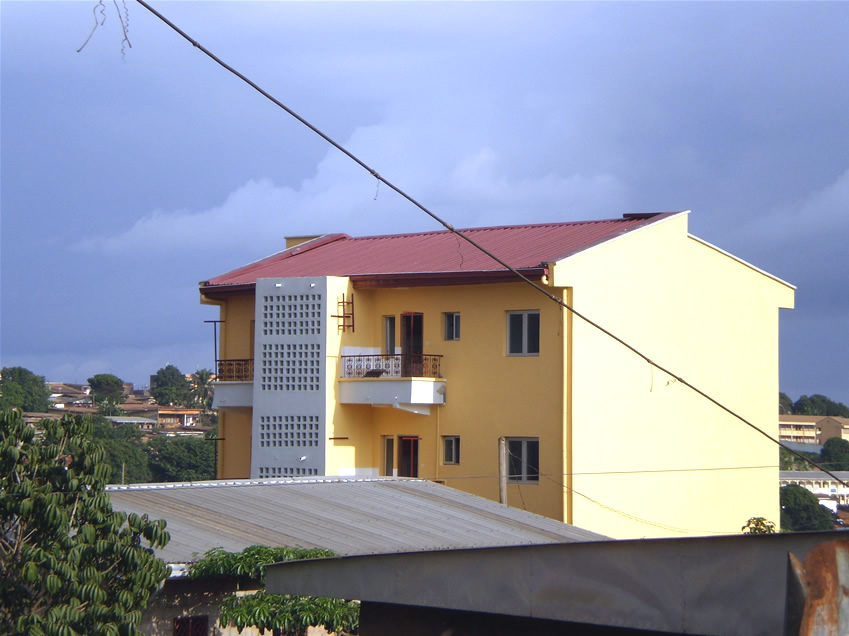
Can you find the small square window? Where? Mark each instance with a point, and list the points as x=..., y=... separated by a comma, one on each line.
x=523, y=459
x=523, y=333
x=452, y=326
x=451, y=449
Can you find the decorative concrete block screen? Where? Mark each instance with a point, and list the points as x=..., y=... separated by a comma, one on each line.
x=289, y=396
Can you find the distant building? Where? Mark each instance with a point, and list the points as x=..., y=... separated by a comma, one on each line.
x=812, y=429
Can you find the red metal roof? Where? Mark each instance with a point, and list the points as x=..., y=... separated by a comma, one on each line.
x=440, y=254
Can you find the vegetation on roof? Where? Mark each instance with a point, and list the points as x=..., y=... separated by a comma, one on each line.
x=279, y=613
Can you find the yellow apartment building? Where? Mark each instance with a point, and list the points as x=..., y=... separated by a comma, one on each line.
x=414, y=354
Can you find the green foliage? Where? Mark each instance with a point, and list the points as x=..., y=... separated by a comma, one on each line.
x=181, y=459
x=124, y=447
x=69, y=564
x=835, y=454
x=785, y=403
x=291, y=615
x=758, y=525
x=20, y=388
x=800, y=510
x=107, y=389
x=789, y=461
x=171, y=388
x=819, y=405
x=202, y=388
x=250, y=562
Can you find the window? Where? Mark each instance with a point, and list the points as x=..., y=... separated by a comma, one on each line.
x=191, y=626
x=523, y=333
x=452, y=326
x=389, y=335
x=523, y=459
x=389, y=456
x=451, y=449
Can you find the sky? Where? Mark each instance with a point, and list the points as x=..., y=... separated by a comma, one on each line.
x=128, y=174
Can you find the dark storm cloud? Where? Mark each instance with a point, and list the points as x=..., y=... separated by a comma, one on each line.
x=125, y=182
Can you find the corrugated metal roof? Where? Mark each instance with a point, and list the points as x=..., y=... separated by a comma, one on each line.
x=521, y=246
x=813, y=475
x=347, y=515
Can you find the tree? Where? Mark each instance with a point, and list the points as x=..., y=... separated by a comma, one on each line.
x=170, y=387
x=181, y=459
x=800, y=510
x=21, y=388
x=279, y=613
x=819, y=405
x=835, y=454
x=785, y=403
x=202, y=388
x=125, y=452
x=758, y=525
x=69, y=564
x=107, y=389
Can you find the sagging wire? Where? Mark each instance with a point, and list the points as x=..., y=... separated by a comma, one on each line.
x=611, y=508
x=476, y=245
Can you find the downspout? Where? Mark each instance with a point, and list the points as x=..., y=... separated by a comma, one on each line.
x=567, y=407
x=436, y=446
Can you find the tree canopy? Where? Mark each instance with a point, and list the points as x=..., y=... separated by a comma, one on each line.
x=181, y=459
x=835, y=454
x=106, y=388
x=800, y=510
x=21, y=388
x=279, y=613
x=169, y=387
x=202, y=388
x=812, y=405
x=69, y=564
x=125, y=452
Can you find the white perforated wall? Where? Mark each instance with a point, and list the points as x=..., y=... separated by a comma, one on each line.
x=289, y=393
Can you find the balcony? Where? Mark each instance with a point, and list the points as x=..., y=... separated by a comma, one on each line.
x=236, y=370
x=234, y=384
x=399, y=365
x=411, y=382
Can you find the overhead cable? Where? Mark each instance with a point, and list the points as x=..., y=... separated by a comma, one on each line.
x=474, y=244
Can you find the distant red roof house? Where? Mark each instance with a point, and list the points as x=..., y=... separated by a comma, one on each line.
x=434, y=258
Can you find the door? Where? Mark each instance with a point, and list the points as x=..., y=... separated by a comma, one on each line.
x=408, y=460
x=412, y=344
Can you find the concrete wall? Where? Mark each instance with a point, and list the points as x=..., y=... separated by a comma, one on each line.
x=640, y=439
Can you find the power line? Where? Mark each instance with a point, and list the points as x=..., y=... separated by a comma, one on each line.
x=472, y=242
x=617, y=511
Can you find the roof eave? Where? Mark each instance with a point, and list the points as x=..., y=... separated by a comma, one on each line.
x=440, y=279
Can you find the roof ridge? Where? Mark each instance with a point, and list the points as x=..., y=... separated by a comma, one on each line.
x=625, y=218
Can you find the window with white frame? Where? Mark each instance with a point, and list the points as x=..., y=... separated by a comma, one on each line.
x=452, y=325
x=451, y=449
x=523, y=459
x=523, y=333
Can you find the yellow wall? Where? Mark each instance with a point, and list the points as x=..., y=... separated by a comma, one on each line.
x=488, y=394
x=665, y=459
x=234, y=453
x=234, y=425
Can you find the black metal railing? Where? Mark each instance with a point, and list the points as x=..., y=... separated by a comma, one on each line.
x=399, y=365
x=236, y=370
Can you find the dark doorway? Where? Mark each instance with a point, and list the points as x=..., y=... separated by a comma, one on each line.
x=412, y=344
x=408, y=461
